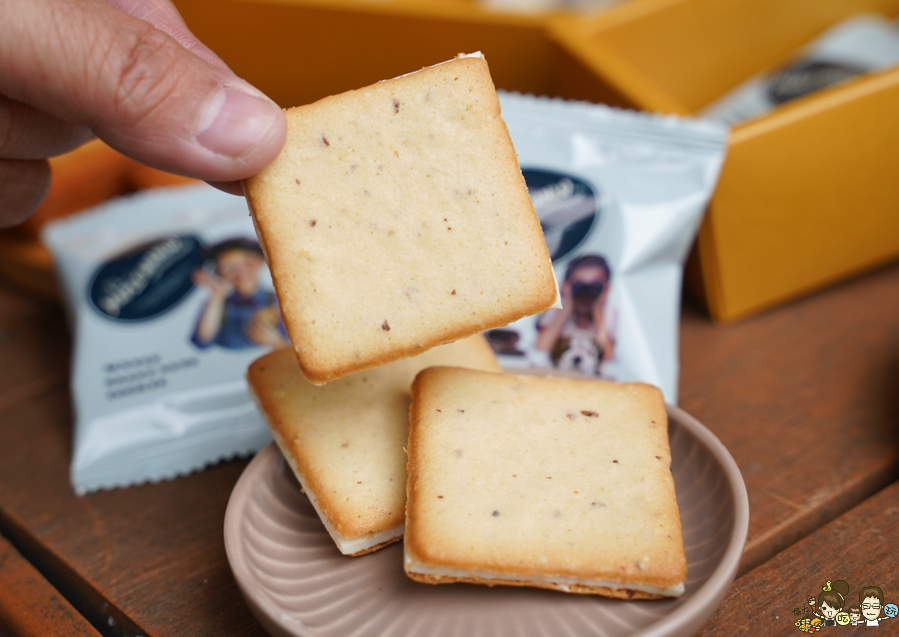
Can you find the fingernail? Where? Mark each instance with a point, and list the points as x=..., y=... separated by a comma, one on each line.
x=235, y=121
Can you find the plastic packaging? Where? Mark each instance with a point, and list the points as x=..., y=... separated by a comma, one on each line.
x=861, y=44
x=169, y=300
x=620, y=195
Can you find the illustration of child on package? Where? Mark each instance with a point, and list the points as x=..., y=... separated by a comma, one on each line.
x=238, y=314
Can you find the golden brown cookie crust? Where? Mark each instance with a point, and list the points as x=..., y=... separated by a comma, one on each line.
x=345, y=440
x=535, y=478
x=397, y=219
x=579, y=589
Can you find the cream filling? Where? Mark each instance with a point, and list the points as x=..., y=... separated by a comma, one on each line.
x=347, y=546
x=557, y=305
x=476, y=54
x=557, y=582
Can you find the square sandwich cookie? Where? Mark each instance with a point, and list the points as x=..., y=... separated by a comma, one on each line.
x=396, y=218
x=345, y=441
x=555, y=483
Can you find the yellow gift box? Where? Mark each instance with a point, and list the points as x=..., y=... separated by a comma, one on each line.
x=298, y=51
x=809, y=193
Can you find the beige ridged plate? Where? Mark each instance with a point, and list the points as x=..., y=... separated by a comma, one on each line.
x=297, y=583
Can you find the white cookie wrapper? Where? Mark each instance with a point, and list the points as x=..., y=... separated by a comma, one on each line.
x=155, y=396
x=620, y=192
x=861, y=44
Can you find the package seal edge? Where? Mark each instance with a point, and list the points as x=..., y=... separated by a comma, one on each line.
x=620, y=123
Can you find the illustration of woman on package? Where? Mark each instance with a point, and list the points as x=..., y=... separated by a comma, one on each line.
x=579, y=336
x=238, y=314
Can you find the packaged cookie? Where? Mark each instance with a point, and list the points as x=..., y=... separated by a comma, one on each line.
x=861, y=44
x=170, y=300
x=620, y=195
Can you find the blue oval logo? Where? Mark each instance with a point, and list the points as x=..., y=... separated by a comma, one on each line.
x=566, y=206
x=148, y=280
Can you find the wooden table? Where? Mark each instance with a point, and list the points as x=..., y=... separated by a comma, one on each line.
x=806, y=397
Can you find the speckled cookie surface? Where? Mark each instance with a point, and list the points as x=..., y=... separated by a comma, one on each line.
x=396, y=218
x=549, y=482
x=345, y=440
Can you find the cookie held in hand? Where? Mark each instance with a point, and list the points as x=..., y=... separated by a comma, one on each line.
x=396, y=218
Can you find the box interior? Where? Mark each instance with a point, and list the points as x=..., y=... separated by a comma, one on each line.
x=680, y=55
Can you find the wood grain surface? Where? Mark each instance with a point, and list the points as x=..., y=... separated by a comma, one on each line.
x=34, y=357
x=30, y=606
x=859, y=548
x=155, y=551
x=804, y=396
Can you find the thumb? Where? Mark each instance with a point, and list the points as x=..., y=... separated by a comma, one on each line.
x=137, y=88
x=163, y=15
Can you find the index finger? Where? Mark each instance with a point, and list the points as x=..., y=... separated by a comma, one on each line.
x=137, y=88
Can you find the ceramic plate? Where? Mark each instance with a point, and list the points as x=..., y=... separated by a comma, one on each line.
x=297, y=583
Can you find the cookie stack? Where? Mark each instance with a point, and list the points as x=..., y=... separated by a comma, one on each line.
x=395, y=221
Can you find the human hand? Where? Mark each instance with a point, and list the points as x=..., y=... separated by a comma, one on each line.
x=131, y=73
x=262, y=329
x=218, y=288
